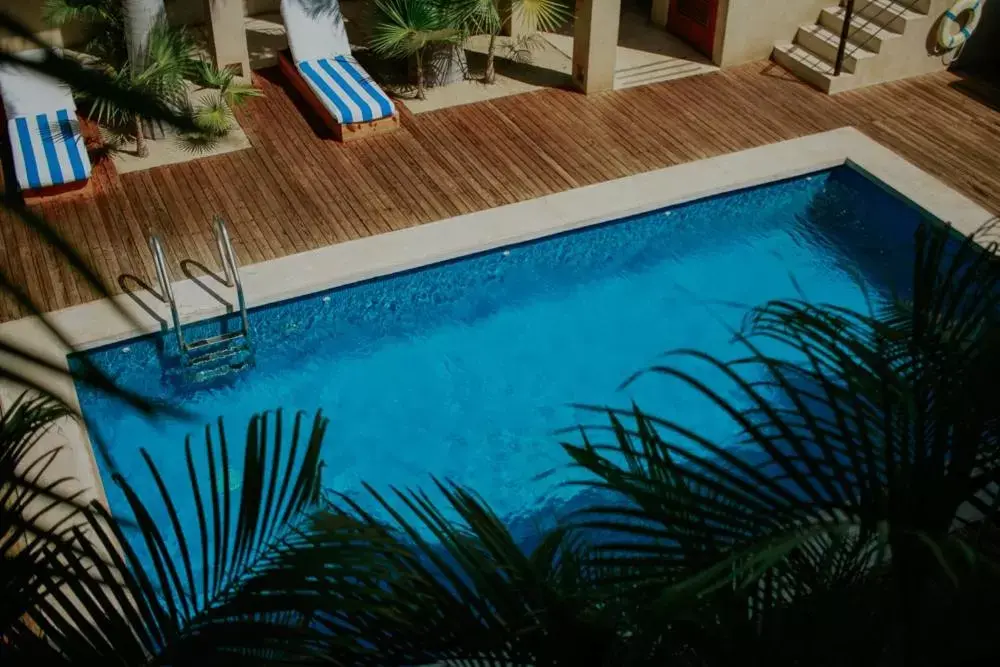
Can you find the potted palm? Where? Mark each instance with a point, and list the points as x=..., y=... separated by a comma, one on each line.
x=487, y=17
x=415, y=29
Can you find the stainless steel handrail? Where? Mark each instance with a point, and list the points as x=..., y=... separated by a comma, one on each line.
x=166, y=290
x=232, y=270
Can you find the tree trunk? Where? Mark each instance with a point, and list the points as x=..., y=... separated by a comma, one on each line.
x=490, y=76
x=140, y=17
x=421, y=95
x=141, y=149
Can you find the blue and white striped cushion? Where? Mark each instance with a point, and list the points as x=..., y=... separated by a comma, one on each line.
x=345, y=89
x=48, y=149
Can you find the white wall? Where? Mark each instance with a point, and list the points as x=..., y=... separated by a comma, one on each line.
x=29, y=12
x=748, y=29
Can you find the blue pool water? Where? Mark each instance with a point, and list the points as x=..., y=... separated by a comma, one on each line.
x=466, y=370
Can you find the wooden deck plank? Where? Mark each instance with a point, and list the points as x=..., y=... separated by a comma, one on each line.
x=475, y=155
x=294, y=189
x=288, y=162
x=485, y=118
x=478, y=194
x=135, y=242
x=253, y=229
x=303, y=171
x=552, y=140
x=69, y=226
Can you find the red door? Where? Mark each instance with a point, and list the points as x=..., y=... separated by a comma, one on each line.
x=694, y=22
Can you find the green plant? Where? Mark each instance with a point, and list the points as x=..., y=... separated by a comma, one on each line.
x=102, y=22
x=233, y=92
x=489, y=16
x=243, y=587
x=842, y=522
x=166, y=64
x=405, y=28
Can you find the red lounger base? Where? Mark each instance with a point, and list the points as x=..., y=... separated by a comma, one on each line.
x=342, y=132
x=57, y=192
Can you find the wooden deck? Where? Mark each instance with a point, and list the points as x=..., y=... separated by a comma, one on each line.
x=296, y=190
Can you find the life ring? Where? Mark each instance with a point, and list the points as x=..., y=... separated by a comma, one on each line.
x=948, y=37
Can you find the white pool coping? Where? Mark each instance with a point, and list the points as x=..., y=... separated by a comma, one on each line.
x=98, y=323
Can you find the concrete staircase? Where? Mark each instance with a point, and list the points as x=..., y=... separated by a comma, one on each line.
x=888, y=40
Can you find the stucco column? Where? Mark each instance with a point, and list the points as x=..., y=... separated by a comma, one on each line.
x=595, y=44
x=658, y=14
x=228, y=35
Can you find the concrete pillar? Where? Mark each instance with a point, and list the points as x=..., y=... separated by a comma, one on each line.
x=228, y=35
x=660, y=11
x=595, y=44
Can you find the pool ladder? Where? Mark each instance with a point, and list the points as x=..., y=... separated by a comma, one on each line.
x=204, y=359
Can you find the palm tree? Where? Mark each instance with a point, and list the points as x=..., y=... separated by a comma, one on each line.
x=405, y=28
x=133, y=44
x=141, y=18
x=489, y=16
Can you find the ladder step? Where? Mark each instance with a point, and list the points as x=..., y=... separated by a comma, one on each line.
x=214, y=356
x=197, y=345
x=207, y=358
x=214, y=373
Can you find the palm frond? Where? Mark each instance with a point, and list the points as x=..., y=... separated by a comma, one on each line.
x=224, y=80
x=213, y=116
x=404, y=27
x=543, y=15
x=63, y=12
x=865, y=446
x=240, y=585
x=464, y=591
x=478, y=16
x=38, y=509
x=95, y=83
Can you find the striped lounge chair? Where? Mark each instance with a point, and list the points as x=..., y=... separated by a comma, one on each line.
x=319, y=64
x=42, y=132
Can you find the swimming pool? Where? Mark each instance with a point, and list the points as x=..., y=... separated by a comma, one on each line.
x=465, y=370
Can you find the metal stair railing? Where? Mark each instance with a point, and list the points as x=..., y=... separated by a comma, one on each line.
x=846, y=34
x=166, y=291
x=232, y=271
x=194, y=353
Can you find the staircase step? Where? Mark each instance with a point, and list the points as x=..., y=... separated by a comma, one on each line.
x=922, y=7
x=811, y=68
x=894, y=15
x=824, y=43
x=863, y=32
